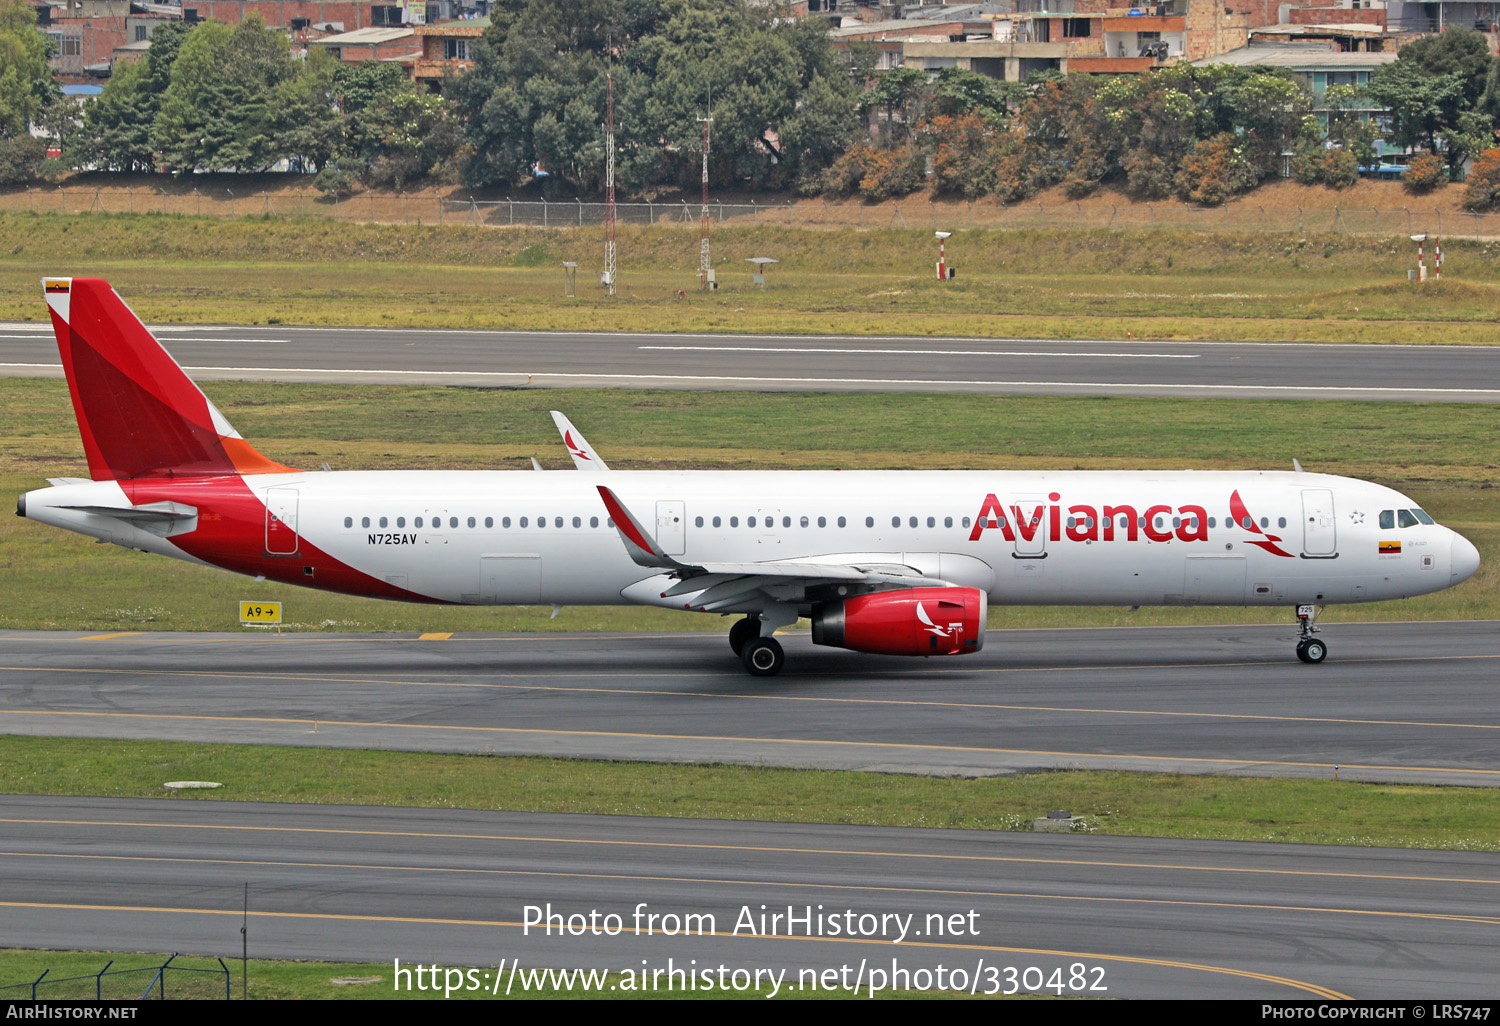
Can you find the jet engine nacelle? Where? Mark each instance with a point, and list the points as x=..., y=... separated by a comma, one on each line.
x=917, y=621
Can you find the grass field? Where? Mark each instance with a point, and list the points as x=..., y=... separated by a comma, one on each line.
x=1441, y=454
x=1065, y=284
x=1117, y=803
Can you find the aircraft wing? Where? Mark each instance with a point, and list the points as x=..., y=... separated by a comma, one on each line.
x=724, y=587
x=584, y=456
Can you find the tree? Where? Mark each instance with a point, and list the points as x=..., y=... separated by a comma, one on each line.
x=963, y=154
x=1431, y=85
x=1348, y=128
x=309, y=130
x=116, y=130
x=25, y=82
x=903, y=91
x=1482, y=187
x=959, y=91
x=218, y=112
x=783, y=101
x=1455, y=51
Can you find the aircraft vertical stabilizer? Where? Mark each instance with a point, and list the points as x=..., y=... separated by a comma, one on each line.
x=138, y=413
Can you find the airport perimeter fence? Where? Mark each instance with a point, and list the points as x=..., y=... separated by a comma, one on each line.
x=151, y=983
x=425, y=208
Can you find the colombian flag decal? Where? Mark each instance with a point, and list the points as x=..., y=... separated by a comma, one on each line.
x=57, y=284
x=1390, y=548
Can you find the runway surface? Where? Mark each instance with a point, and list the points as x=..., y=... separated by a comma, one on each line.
x=1410, y=702
x=1007, y=366
x=1140, y=917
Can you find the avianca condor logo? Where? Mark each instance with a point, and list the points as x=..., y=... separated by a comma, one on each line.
x=1243, y=518
x=573, y=446
x=1089, y=523
x=934, y=629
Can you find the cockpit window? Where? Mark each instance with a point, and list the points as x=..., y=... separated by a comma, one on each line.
x=1387, y=519
x=1422, y=516
x=1404, y=518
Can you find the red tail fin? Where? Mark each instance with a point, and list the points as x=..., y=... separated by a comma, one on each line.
x=139, y=414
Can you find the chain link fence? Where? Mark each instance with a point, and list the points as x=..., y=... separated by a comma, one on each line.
x=427, y=208
x=151, y=983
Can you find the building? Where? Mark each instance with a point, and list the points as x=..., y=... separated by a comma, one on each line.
x=1083, y=36
x=446, y=48
x=370, y=44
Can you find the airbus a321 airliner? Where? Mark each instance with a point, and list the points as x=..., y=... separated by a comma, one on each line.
x=895, y=562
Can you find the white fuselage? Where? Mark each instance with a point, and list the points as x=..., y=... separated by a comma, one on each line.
x=1064, y=537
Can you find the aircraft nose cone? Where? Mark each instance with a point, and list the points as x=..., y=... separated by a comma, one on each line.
x=1465, y=559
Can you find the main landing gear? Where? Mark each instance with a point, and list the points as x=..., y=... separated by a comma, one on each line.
x=1309, y=648
x=762, y=656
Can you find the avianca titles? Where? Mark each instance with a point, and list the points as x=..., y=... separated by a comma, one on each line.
x=895, y=562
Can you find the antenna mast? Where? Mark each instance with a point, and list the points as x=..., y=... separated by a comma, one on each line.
x=609, y=187
x=705, y=265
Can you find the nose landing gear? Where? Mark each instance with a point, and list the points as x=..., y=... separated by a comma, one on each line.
x=1309, y=649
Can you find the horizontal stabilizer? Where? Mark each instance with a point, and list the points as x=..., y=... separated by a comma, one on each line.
x=150, y=511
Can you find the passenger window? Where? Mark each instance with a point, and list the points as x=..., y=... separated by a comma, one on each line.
x=749, y=521
x=1405, y=519
x=717, y=521
x=524, y=521
x=557, y=521
x=1247, y=524
x=965, y=522
x=489, y=521
x=417, y=522
x=947, y=521
x=593, y=521
x=931, y=521
x=364, y=521
x=841, y=521
x=869, y=521
x=348, y=521
x=787, y=522
x=1213, y=521
x=473, y=522
x=697, y=521
x=822, y=521
x=578, y=521
x=541, y=521
x=805, y=522
x=453, y=521
x=505, y=522
x=895, y=521
x=1265, y=521
x=400, y=521
x=912, y=521
x=1281, y=521
x=1387, y=519
x=734, y=521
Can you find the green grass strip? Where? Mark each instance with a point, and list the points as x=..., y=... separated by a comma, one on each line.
x=1126, y=804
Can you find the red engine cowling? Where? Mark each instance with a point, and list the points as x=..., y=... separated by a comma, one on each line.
x=918, y=621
